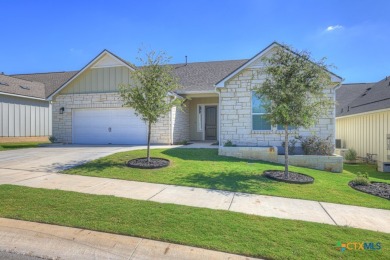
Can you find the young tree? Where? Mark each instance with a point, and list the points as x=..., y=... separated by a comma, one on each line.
x=293, y=90
x=150, y=91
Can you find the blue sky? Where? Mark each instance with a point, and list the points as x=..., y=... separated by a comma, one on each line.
x=43, y=36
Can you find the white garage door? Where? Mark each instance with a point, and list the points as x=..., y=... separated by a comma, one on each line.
x=108, y=126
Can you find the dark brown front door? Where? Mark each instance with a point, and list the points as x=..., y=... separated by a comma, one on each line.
x=211, y=123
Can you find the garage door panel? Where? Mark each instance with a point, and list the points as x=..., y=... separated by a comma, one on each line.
x=108, y=126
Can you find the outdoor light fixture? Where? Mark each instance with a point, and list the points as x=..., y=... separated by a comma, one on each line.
x=62, y=109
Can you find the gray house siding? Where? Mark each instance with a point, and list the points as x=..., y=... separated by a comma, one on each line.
x=23, y=117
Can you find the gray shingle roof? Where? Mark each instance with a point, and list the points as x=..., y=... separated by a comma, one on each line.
x=202, y=76
x=348, y=93
x=21, y=87
x=51, y=80
x=375, y=96
x=197, y=76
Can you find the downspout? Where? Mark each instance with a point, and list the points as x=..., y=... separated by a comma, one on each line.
x=219, y=116
x=171, y=119
x=334, y=110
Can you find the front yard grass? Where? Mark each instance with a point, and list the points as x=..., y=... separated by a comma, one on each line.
x=205, y=168
x=19, y=145
x=250, y=235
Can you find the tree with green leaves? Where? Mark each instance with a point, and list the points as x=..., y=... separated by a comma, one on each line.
x=150, y=91
x=293, y=91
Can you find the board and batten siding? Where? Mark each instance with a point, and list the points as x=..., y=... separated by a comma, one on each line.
x=22, y=117
x=366, y=133
x=98, y=80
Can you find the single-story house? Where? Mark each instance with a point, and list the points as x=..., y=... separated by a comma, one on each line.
x=24, y=110
x=363, y=120
x=220, y=105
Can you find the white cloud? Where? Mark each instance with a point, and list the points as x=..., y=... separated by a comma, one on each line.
x=334, y=28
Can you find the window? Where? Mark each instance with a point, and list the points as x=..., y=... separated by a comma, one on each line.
x=258, y=115
x=200, y=119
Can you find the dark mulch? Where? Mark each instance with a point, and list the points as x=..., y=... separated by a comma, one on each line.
x=379, y=189
x=142, y=163
x=294, y=177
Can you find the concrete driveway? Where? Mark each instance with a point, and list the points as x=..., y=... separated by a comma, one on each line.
x=57, y=158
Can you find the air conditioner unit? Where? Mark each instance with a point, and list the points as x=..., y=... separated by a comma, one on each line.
x=386, y=167
x=338, y=143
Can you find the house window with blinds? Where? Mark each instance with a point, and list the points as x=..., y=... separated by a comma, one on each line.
x=258, y=115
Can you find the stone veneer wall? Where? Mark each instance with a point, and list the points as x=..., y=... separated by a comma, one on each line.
x=181, y=124
x=326, y=163
x=62, y=123
x=236, y=115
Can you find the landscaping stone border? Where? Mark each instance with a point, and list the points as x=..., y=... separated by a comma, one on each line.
x=159, y=163
x=350, y=184
x=269, y=175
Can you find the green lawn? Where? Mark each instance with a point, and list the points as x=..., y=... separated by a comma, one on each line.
x=212, y=229
x=11, y=146
x=204, y=168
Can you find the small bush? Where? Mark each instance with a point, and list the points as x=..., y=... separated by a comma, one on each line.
x=229, y=143
x=291, y=146
x=315, y=145
x=184, y=142
x=351, y=155
x=52, y=139
x=361, y=179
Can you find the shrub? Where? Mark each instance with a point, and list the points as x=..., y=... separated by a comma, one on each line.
x=351, y=155
x=184, y=142
x=361, y=179
x=229, y=143
x=315, y=145
x=52, y=139
x=291, y=145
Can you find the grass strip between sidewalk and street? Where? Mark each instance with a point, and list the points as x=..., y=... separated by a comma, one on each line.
x=237, y=233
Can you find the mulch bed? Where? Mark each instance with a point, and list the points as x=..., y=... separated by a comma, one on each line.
x=294, y=177
x=378, y=189
x=142, y=163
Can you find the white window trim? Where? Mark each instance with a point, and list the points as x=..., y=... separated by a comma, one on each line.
x=274, y=128
x=252, y=114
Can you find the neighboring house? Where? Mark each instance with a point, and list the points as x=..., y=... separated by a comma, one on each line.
x=24, y=110
x=363, y=120
x=220, y=106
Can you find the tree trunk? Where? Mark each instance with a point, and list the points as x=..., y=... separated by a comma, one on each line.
x=286, y=174
x=148, y=149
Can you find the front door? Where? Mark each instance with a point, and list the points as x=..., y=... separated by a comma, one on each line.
x=211, y=123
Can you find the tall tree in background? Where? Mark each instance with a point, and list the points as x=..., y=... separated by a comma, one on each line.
x=150, y=91
x=293, y=91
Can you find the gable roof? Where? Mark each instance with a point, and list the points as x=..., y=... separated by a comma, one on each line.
x=51, y=80
x=374, y=97
x=92, y=62
x=193, y=77
x=24, y=88
x=348, y=93
x=196, y=77
x=202, y=76
x=221, y=83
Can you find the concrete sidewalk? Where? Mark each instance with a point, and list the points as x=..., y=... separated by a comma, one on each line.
x=269, y=206
x=57, y=242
